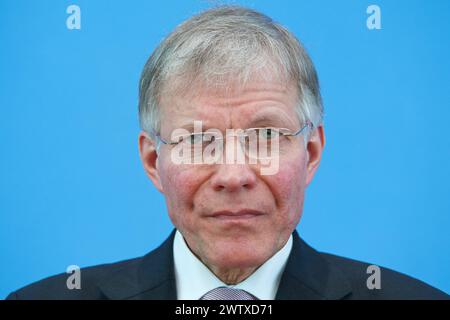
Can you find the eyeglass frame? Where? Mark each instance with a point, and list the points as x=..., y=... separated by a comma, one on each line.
x=308, y=124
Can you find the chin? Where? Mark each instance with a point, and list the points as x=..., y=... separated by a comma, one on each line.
x=238, y=257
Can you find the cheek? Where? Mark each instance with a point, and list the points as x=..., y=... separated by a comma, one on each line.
x=180, y=184
x=288, y=187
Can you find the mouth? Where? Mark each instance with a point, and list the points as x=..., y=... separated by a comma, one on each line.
x=244, y=214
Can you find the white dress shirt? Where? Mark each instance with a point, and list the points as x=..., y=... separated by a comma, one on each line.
x=194, y=279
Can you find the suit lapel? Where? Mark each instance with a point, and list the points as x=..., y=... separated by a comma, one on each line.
x=153, y=278
x=309, y=276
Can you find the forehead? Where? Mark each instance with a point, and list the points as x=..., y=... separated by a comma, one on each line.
x=259, y=103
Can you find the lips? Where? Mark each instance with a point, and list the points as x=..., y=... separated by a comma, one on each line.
x=236, y=215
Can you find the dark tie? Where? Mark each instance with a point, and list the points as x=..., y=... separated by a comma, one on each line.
x=224, y=293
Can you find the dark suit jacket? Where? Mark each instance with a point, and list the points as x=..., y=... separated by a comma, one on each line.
x=308, y=275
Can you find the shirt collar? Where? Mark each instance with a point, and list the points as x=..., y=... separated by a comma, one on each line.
x=194, y=279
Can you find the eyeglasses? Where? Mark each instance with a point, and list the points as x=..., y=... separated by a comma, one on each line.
x=256, y=143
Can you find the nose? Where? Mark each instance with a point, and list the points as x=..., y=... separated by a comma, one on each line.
x=233, y=177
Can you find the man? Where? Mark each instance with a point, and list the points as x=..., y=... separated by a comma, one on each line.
x=232, y=135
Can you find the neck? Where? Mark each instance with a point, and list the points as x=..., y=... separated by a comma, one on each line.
x=233, y=276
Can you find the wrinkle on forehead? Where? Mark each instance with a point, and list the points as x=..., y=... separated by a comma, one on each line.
x=225, y=110
x=227, y=85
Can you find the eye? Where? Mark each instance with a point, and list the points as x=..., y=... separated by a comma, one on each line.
x=268, y=133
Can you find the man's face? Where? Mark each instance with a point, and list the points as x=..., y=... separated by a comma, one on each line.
x=196, y=193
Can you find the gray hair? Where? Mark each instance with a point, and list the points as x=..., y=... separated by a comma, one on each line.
x=223, y=48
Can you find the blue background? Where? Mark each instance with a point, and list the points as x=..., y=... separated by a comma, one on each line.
x=72, y=188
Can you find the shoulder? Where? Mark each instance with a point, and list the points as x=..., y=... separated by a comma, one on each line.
x=392, y=284
x=120, y=280
x=56, y=288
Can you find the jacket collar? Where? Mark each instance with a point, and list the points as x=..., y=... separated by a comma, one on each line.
x=307, y=275
x=153, y=278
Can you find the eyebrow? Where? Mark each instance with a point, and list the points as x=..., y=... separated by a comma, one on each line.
x=190, y=126
x=267, y=119
x=259, y=120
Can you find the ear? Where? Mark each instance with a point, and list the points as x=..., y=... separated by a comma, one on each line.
x=149, y=157
x=314, y=148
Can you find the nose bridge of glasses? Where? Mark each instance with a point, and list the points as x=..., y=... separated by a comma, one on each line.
x=216, y=136
x=225, y=143
x=243, y=136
